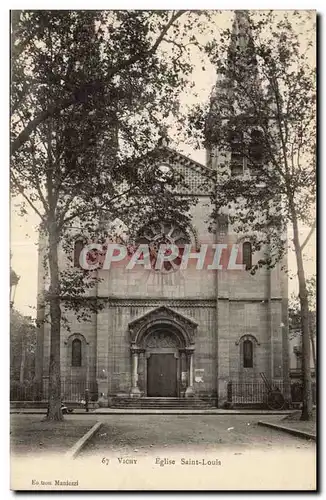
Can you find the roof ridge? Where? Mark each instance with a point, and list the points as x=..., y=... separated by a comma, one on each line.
x=190, y=160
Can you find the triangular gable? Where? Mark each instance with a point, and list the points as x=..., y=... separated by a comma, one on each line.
x=198, y=177
x=164, y=312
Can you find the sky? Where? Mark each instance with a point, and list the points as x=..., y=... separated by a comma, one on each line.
x=23, y=230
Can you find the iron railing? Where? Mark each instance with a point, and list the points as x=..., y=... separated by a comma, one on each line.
x=22, y=392
x=239, y=393
x=71, y=391
x=255, y=393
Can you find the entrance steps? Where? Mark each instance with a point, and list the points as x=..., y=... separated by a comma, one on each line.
x=162, y=403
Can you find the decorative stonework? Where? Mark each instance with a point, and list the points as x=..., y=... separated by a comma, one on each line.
x=162, y=318
x=247, y=337
x=164, y=233
x=161, y=339
x=74, y=336
x=184, y=303
x=196, y=176
x=136, y=350
x=163, y=330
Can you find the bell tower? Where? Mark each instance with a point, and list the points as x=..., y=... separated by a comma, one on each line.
x=239, y=59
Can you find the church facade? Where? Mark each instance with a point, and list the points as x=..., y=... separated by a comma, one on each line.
x=178, y=333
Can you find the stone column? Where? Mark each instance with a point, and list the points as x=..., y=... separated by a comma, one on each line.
x=135, y=392
x=141, y=371
x=87, y=347
x=102, y=355
x=190, y=358
x=182, y=381
x=223, y=352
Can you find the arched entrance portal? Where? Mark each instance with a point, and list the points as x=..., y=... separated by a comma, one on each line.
x=162, y=347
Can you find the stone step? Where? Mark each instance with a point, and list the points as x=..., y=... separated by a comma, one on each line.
x=163, y=407
x=161, y=403
x=166, y=403
x=152, y=400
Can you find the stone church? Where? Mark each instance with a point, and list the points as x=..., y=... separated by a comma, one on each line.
x=186, y=334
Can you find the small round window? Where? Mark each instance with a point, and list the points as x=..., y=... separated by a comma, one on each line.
x=164, y=172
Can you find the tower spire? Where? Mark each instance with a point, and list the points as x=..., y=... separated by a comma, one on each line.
x=241, y=50
x=240, y=65
x=241, y=30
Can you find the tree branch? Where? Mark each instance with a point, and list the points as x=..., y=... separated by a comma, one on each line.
x=64, y=221
x=36, y=176
x=22, y=192
x=88, y=89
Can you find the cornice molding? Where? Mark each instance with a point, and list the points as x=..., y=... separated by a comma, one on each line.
x=165, y=301
x=158, y=303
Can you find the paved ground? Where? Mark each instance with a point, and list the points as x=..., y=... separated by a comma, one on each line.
x=293, y=421
x=31, y=434
x=302, y=426
x=145, y=434
x=160, y=452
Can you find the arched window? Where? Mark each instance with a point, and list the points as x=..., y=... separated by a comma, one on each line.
x=222, y=223
x=76, y=353
x=248, y=354
x=247, y=255
x=79, y=244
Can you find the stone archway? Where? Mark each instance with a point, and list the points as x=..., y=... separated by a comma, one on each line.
x=162, y=347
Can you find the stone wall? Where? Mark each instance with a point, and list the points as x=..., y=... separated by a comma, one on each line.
x=254, y=305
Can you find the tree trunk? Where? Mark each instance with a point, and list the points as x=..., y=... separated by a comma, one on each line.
x=304, y=313
x=313, y=348
x=54, y=408
x=22, y=360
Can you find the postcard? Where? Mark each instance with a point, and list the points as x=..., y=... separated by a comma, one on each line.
x=163, y=269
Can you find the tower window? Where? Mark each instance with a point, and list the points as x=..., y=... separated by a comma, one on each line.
x=248, y=354
x=256, y=148
x=222, y=224
x=237, y=156
x=76, y=353
x=247, y=255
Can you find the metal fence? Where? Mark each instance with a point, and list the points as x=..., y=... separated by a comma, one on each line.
x=239, y=393
x=255, y=393
x=71, y=391
x=22, y=392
